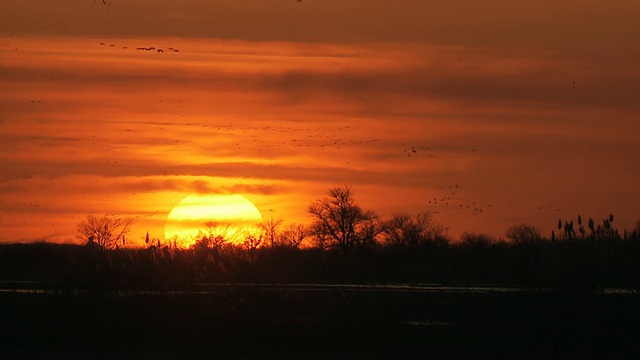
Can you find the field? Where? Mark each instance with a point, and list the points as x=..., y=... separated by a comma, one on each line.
x=565, y=300
x=316, y=321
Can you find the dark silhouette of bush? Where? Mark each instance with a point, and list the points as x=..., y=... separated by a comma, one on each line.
x=476, y=259
x=411, y=232
x=294, y=235
x=523, y=233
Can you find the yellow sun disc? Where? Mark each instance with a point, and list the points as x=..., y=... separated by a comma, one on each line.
x=196, y=215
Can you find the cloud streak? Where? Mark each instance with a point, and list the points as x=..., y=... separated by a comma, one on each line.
x=456, y=75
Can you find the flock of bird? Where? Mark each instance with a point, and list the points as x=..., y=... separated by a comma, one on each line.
x=413, y=151
x=311, y=139
x=150, y=48
x=157, y=50
x=273, y=140
x=451, y=197
x=458, y=203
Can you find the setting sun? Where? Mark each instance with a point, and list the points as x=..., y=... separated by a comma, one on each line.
x=233, y=214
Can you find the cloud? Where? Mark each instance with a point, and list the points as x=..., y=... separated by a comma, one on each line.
x=84, y=183
x=194, y=186
x=469, y=75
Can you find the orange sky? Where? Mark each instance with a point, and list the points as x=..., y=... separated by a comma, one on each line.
x=527, y=110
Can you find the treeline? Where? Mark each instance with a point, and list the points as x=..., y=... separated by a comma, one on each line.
x=344, y=243
x=560, y=264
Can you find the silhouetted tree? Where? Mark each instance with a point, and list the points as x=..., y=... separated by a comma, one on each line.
x=214, y=234
x=252, y=242
x=476, y=241
x=411, y=231
x=340, y=223
x=104, y=232
x=293, y=235
x=523, y=233
x=270, y=228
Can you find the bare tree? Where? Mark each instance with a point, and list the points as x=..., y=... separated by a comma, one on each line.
x=523, y=233
x=476, y=241
x=293, y=235
x=270, y=228
x=411, y=231
x=215, y=234
x=106, y=232
x=252, y=241
x=340, y=223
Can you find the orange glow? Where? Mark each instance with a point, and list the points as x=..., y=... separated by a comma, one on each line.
x=283, y=113
x=233, y=216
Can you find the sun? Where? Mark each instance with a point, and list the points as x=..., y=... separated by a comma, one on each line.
x=227, y=215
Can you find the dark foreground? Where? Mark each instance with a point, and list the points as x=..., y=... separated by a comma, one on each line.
x=257, y=322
